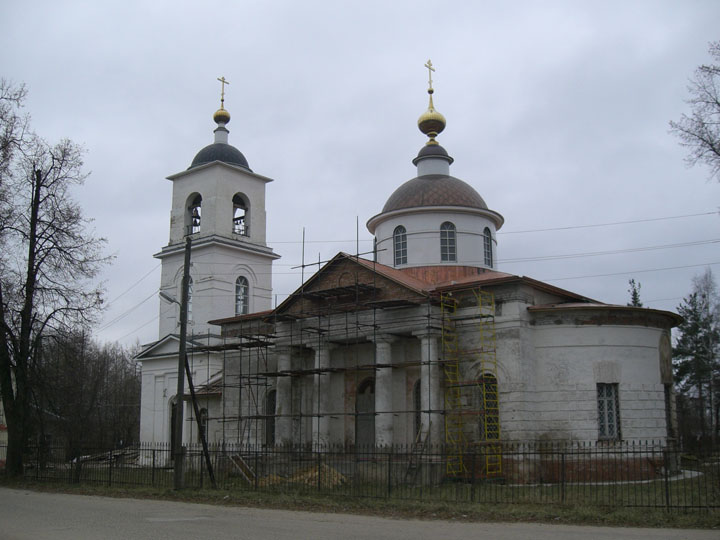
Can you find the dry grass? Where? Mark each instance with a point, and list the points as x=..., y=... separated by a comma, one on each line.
x=401, y=509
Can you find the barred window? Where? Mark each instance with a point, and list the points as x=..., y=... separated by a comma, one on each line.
x=242, y=296
x=608, y=411
x=487, y=245
x=448, y=246
x=400, y=245
x=488, y=405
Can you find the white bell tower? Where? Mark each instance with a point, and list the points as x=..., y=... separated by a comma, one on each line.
x=220, y=202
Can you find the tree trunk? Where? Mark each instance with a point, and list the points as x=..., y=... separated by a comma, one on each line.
x=16, y=441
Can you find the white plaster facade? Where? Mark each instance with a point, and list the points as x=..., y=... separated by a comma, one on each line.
x=553, y=350
x=222, y=252
x=357, y=355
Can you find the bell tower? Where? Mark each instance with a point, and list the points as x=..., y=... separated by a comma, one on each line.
x=220, y=202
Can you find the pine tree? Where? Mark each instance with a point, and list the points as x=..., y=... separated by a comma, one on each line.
x=634, y=291
x=696, y=354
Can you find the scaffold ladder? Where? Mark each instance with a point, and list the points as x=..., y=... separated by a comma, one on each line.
x=489, y=424
x=454, y=430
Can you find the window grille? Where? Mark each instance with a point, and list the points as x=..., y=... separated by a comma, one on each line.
x=608, y=411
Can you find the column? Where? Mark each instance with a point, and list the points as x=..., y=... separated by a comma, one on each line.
x=431, y=398
x=283, y=397
x=384, y=417
x=321, y=394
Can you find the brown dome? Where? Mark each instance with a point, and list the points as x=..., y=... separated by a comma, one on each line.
x=434, y=190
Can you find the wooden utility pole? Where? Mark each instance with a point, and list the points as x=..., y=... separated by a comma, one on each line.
x=179, y=402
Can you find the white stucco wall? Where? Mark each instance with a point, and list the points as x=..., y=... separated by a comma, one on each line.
x=217, y=183
x=423, y=236
x=572, y=360
x=159, y=387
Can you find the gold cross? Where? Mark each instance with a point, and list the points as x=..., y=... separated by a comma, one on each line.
x=222, y=92
x=430, y=72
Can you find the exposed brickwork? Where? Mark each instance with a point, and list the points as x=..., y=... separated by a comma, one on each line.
x=324, y=294
x=441, y=274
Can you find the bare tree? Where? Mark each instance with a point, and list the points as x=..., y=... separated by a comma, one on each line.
x=46, y=271
x=86, y=396
x=700, y=131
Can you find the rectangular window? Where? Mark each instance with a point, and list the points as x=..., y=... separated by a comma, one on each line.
x=447, y=246
x=608, y=411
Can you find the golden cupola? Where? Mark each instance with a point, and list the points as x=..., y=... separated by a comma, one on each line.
x=431, y=122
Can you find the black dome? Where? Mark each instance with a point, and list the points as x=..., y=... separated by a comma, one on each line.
x=220, y=152
x=432, y=151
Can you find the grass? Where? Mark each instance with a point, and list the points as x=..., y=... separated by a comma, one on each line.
x=577, y=514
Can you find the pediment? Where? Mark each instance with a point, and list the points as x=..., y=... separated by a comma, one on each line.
x=348, y=284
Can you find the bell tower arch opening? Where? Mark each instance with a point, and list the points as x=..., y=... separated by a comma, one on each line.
x=193, y=213
x=241, y=215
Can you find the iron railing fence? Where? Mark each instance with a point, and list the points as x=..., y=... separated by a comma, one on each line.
x=637, y=474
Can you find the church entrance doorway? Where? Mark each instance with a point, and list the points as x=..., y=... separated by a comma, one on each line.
x=365, y=413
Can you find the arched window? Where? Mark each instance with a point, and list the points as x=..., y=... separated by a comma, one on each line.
x=242, y=296
x=448, y=245
x=489, y=407
x=487, y=244
x=194, y=215
x=190, y=299
x=241, y=212
x=270, y=398
x=400, y=245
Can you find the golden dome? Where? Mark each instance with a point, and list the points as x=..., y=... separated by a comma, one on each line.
x=431, y=122
x=221, y=116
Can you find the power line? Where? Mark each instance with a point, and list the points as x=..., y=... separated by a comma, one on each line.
x=525, y=231
x=609, y=252
x=133, y=285
x=611, y=223
x=127, y=312
x=633, y=272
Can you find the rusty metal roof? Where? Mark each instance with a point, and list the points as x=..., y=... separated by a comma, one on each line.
x=434, y=190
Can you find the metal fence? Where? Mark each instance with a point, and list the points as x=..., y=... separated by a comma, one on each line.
x=638, y=474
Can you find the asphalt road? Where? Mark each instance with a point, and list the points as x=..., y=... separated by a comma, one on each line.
x=26, y=515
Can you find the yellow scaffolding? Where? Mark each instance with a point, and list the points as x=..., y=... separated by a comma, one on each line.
x=489, y=436
x=454, y=429
x=476, y=398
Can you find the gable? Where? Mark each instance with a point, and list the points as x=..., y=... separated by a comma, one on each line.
x=346, y=285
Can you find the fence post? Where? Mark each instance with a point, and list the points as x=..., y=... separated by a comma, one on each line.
x=389, y=471
x=319, y=463
x=110, y=459
x=257, y=472
x=667, y=479
x=152, y=478
x=562, y=477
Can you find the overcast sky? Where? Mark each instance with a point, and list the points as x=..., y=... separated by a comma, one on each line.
x=557, y=114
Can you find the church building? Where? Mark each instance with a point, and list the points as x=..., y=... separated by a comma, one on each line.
x=424, y=342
